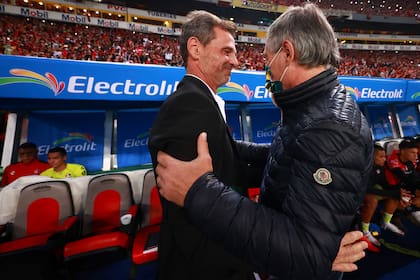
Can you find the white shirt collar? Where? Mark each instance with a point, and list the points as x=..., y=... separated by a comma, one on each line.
x=220, y=102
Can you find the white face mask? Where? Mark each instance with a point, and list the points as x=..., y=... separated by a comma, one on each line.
x=275, y=87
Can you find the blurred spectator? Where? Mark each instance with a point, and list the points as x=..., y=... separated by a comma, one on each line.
x=29, y=164
x=59, y=168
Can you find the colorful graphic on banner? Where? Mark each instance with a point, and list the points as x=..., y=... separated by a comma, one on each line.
x=233, y=121
x=81, y=134
x=264, y=122
x=133, y=137
x=379, y=122
x=409, y=119
x=27, y=76
x=413, y=90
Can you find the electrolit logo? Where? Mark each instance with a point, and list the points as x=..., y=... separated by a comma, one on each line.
x=87, y=143
x=353, y=92
x=141, y=140
x=369, y=93
x=27, y=76
x=260, y=92
x=236, y=88
x=415, y=95
x=380, y=123
x=409, y=121
x=84, y=84
x=268, y=131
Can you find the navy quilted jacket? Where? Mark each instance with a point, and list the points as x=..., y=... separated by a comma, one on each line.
x=315, y=178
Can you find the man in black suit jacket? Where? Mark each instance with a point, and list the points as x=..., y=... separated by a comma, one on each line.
x=208, y=49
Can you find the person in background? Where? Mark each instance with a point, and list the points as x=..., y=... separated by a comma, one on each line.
x=317, y=170
x=414, y=213
x=60, y=168
x=401, y=172
x=379, y=189
x=29, y=164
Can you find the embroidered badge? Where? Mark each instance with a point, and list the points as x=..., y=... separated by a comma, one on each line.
x=323, y=176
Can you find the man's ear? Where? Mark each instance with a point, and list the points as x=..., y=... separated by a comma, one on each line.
x=289, y=48
x=193, y=47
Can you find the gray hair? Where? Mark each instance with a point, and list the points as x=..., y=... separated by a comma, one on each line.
x=201, y=24
x=309, y=31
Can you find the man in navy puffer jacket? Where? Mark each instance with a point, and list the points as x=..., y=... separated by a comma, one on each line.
x=317, y=171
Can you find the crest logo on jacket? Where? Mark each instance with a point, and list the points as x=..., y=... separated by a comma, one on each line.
x=322, y=176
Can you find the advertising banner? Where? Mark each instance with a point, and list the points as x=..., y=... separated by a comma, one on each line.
x=379, y=122
x=133, y=137
x=80, y=133
x=55, y=79
x=264, y=122
x=408, y=116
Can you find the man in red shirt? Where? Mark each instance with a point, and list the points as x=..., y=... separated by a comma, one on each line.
x=29, y=164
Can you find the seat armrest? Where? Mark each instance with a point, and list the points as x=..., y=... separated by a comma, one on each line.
x=67, y=224
x=145, y=246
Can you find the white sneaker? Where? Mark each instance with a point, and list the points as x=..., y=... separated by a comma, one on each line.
x=372, y=239
x=393, y=228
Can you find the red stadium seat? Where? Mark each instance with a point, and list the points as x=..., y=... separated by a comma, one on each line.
x=145, y=246
x=44, y=219
x=104, y=239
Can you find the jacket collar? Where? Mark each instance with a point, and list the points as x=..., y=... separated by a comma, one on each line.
x=321, y=83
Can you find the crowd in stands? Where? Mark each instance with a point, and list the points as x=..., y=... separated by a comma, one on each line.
x=34, y=37
x=387, y=64
x=378, y=8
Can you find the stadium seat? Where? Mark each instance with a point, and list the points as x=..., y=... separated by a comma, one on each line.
x=145, y=246
x=35, y=240
x=104, y=238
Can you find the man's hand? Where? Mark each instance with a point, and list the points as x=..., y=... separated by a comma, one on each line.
x=175, y=177
x=351, y=250
x=405, y=197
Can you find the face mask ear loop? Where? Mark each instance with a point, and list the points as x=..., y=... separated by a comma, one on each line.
x=284, y=73
x=275, y=56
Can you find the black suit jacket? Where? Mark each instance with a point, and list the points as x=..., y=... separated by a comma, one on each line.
x=184, y=252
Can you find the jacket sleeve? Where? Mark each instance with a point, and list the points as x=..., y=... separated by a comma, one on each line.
x=253, y=158
x=251, y=231
x=253, y=153
x=299, y=239
x=406, y=179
